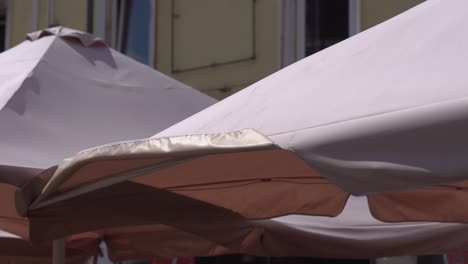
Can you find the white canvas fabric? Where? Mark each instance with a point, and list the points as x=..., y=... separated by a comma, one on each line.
x=63, y=90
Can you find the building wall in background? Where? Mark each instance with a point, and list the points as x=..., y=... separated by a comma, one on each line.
x=217, y=46
x=374, y=12
x=20, y=20
x=43, y=14
x=30, y=15
x=70, y=13
x=3, y=28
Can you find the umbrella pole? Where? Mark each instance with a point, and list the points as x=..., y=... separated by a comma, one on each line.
x=58, y=255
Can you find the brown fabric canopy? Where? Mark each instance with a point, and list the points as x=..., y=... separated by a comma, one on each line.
x=15, y=246
x=20, y=251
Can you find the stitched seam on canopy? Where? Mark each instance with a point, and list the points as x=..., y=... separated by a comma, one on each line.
x=444, y=102
x=232, y=183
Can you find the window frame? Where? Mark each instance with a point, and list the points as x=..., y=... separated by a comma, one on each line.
x=3, y=24
x=292, y=28
x=118, y=17
x=7, y=24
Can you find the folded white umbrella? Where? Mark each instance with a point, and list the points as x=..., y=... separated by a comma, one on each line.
x=381, y=114
x=63, y=90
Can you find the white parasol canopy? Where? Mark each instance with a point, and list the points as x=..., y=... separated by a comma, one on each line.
x=64, y=90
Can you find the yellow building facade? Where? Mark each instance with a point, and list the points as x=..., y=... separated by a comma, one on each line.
x=216, y=46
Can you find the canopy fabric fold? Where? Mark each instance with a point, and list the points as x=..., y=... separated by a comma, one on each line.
x=222, y=162
x=355, y=233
